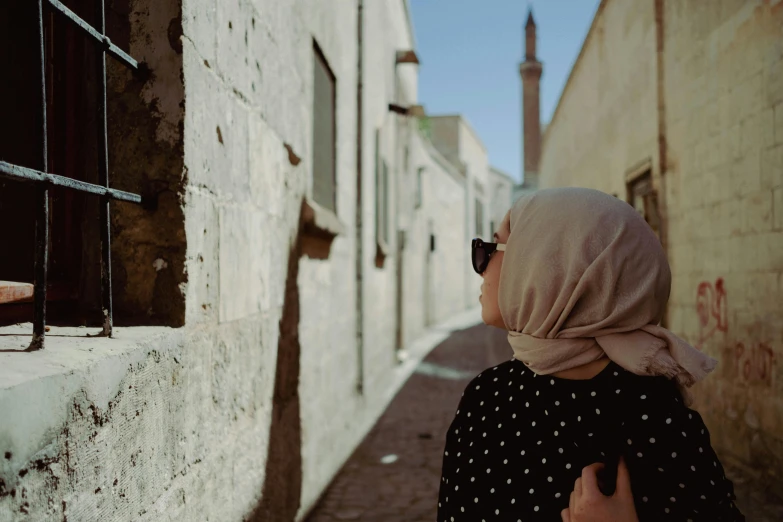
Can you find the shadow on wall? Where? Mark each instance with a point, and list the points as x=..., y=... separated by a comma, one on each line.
x=283, y=483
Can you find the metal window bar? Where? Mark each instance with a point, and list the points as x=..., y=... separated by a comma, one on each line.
x=43, y=180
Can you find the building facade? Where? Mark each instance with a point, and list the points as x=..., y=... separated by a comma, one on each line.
x=501, y=197
x=455, y=139
x=677, y=107
x=299, y=230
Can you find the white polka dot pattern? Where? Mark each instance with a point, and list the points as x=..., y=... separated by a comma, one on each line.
x=536, y=435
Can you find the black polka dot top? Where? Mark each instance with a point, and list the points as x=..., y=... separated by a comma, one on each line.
x=519, y=441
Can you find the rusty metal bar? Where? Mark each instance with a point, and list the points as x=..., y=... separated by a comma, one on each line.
x=100, y=37
x=43, y=180
x=42, y=207
x=103, y=180
x=23, y=174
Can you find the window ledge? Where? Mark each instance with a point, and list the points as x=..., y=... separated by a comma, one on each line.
x=321, y=226
x=36, y=388
x=321, y=222
x=381, y=253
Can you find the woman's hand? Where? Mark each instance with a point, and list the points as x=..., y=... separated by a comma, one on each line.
x=588, y=504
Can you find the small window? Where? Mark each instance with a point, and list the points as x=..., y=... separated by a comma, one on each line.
x=419, y=187
x=381, y=193
x=479, y=218
x=644, y=199
x=324, y=132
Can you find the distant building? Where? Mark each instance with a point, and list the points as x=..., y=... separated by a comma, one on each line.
x=455, y=138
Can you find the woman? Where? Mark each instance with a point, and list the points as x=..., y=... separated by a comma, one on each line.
x=580, y=282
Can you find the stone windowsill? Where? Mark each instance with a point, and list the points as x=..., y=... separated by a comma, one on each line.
x=37, y=388
x=320, y=221
x=321, y=226
x=381, y=252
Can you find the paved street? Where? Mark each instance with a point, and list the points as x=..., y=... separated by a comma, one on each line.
x=393, y=476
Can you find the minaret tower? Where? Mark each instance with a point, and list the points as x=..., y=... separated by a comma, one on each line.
x=530, y=71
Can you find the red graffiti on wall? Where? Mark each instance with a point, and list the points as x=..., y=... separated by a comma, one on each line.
x=754, y=364
x=711, y=309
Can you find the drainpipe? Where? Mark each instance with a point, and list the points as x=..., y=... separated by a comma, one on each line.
x=663, y=166
x=359, y=228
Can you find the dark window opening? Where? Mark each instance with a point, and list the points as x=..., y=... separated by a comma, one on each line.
x=324, y=132
x=71, y=103
x=381, y=194
x=63, y=177
x=643, y=198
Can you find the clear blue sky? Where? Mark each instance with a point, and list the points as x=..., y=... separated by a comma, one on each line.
x=470, y=52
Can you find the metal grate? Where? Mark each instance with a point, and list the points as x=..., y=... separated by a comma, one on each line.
x=43, y=180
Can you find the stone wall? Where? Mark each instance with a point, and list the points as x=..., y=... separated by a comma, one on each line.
x=253, y=405
x=723, y=80
x=713, y=95
x=606, y=119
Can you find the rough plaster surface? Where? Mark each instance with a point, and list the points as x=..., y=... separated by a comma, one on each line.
x=174, y=424
x=145, y=113
x=721, y=101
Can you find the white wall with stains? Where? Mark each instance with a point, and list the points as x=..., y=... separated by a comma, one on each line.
x=178, y=423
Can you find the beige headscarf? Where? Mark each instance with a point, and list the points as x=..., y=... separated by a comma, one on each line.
x=584, y=275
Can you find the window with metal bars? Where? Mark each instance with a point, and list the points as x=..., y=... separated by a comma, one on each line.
x=45, y=186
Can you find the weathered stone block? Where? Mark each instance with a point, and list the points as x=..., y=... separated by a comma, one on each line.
x=779, y=124
x=198, y=26
x=233, y=25
x=244, y=262
x=216, y=136
x=764, y=252
x=201, y=263
x=757, y=212
x=774, y=84
x=777, y=208
x=270, y=168
x=757, y=131
x=772, y=167
x=744, y=175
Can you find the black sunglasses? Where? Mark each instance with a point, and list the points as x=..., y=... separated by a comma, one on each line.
x=481, y=253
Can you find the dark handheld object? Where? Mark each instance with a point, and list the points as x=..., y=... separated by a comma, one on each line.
x=607, y=476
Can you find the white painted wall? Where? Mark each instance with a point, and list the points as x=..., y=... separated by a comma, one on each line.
x=184, y=414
